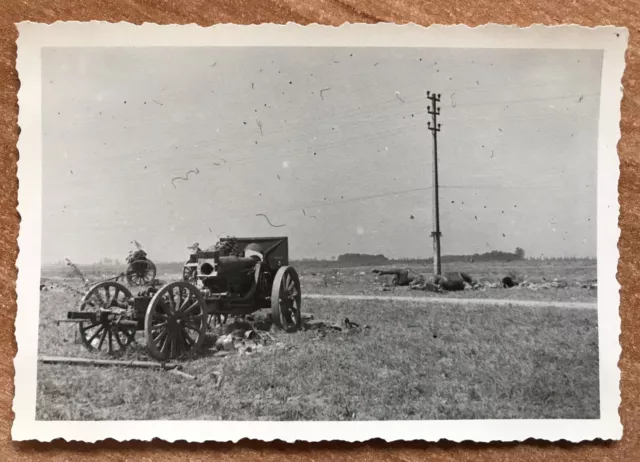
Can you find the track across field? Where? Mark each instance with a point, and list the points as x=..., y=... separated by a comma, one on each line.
x=460, y=301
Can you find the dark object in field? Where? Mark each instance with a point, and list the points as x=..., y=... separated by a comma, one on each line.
x=350, y=324
x=453, y=281
x=238, y=277
x=426, y=286
x=347, y=326
x=446, y=281
x=141, y=271
x=443, y=282
x=508, y=282
x=401, y=277
x=322, y=327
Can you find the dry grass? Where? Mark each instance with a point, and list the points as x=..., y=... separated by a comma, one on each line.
x=415, y=362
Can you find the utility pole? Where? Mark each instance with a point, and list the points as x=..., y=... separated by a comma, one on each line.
x=434, y=126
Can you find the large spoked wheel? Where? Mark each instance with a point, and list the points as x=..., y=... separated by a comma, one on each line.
x=286, y=299
x=141, y=272
x=175, y=322
x=109, y=300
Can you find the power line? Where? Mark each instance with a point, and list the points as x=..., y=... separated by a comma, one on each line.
x=373, y=108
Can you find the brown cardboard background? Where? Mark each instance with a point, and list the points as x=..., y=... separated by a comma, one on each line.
x=333, y=12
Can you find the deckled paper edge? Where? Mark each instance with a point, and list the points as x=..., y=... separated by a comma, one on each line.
x=26, y=428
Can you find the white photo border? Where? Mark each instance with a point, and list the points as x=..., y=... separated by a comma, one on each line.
x=34, y=36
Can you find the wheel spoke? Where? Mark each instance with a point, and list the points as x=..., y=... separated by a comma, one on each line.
x=178, y=302
x=165, y=343
x=165, y=306
x=173, y=346
x=98, y=297
x=192, y=326
x=107, y=296
x=180, y=342
x=187, y=299
x=116, y=334
x=295, y=313
x=187, y=337
x=161, y=336
x=161, y=325
x=172, y=302
x=102, y=337
x=110, y=342
x=192, y=308
x=89, y=327
x=95, y=334
x=96, y=300
x=130, y=334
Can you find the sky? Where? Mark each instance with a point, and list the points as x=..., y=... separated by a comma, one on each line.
x=330, y=144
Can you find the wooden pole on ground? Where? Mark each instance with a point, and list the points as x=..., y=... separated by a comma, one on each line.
x=104, y=362
x=170, y=367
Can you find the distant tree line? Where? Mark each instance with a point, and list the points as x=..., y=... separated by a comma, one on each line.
x=344, y=260
x=363, y=259
x=494, y=255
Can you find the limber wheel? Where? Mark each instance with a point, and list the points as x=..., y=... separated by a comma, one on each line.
x=141, y=272
x=189, y=274
x=286, y=299
x=175, y=322
x=108, y=300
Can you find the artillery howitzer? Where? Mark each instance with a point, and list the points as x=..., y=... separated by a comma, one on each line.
x=238, y=277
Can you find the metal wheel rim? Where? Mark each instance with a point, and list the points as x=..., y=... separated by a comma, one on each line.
x=289, y=300
x=108, y=334
x=175, y=321
x=141, y=272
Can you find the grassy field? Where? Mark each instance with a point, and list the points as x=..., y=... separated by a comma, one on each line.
x=322, y=278
x=360, y=280
x=415, y=361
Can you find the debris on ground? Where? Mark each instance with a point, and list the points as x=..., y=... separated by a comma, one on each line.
x=248, y=335
x=459, y=281
x=449, y=282
x=226, y=343
x=346, y=326
x=509, y=282
x=452, y=281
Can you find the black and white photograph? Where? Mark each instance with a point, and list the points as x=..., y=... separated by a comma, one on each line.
x=308, y=233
